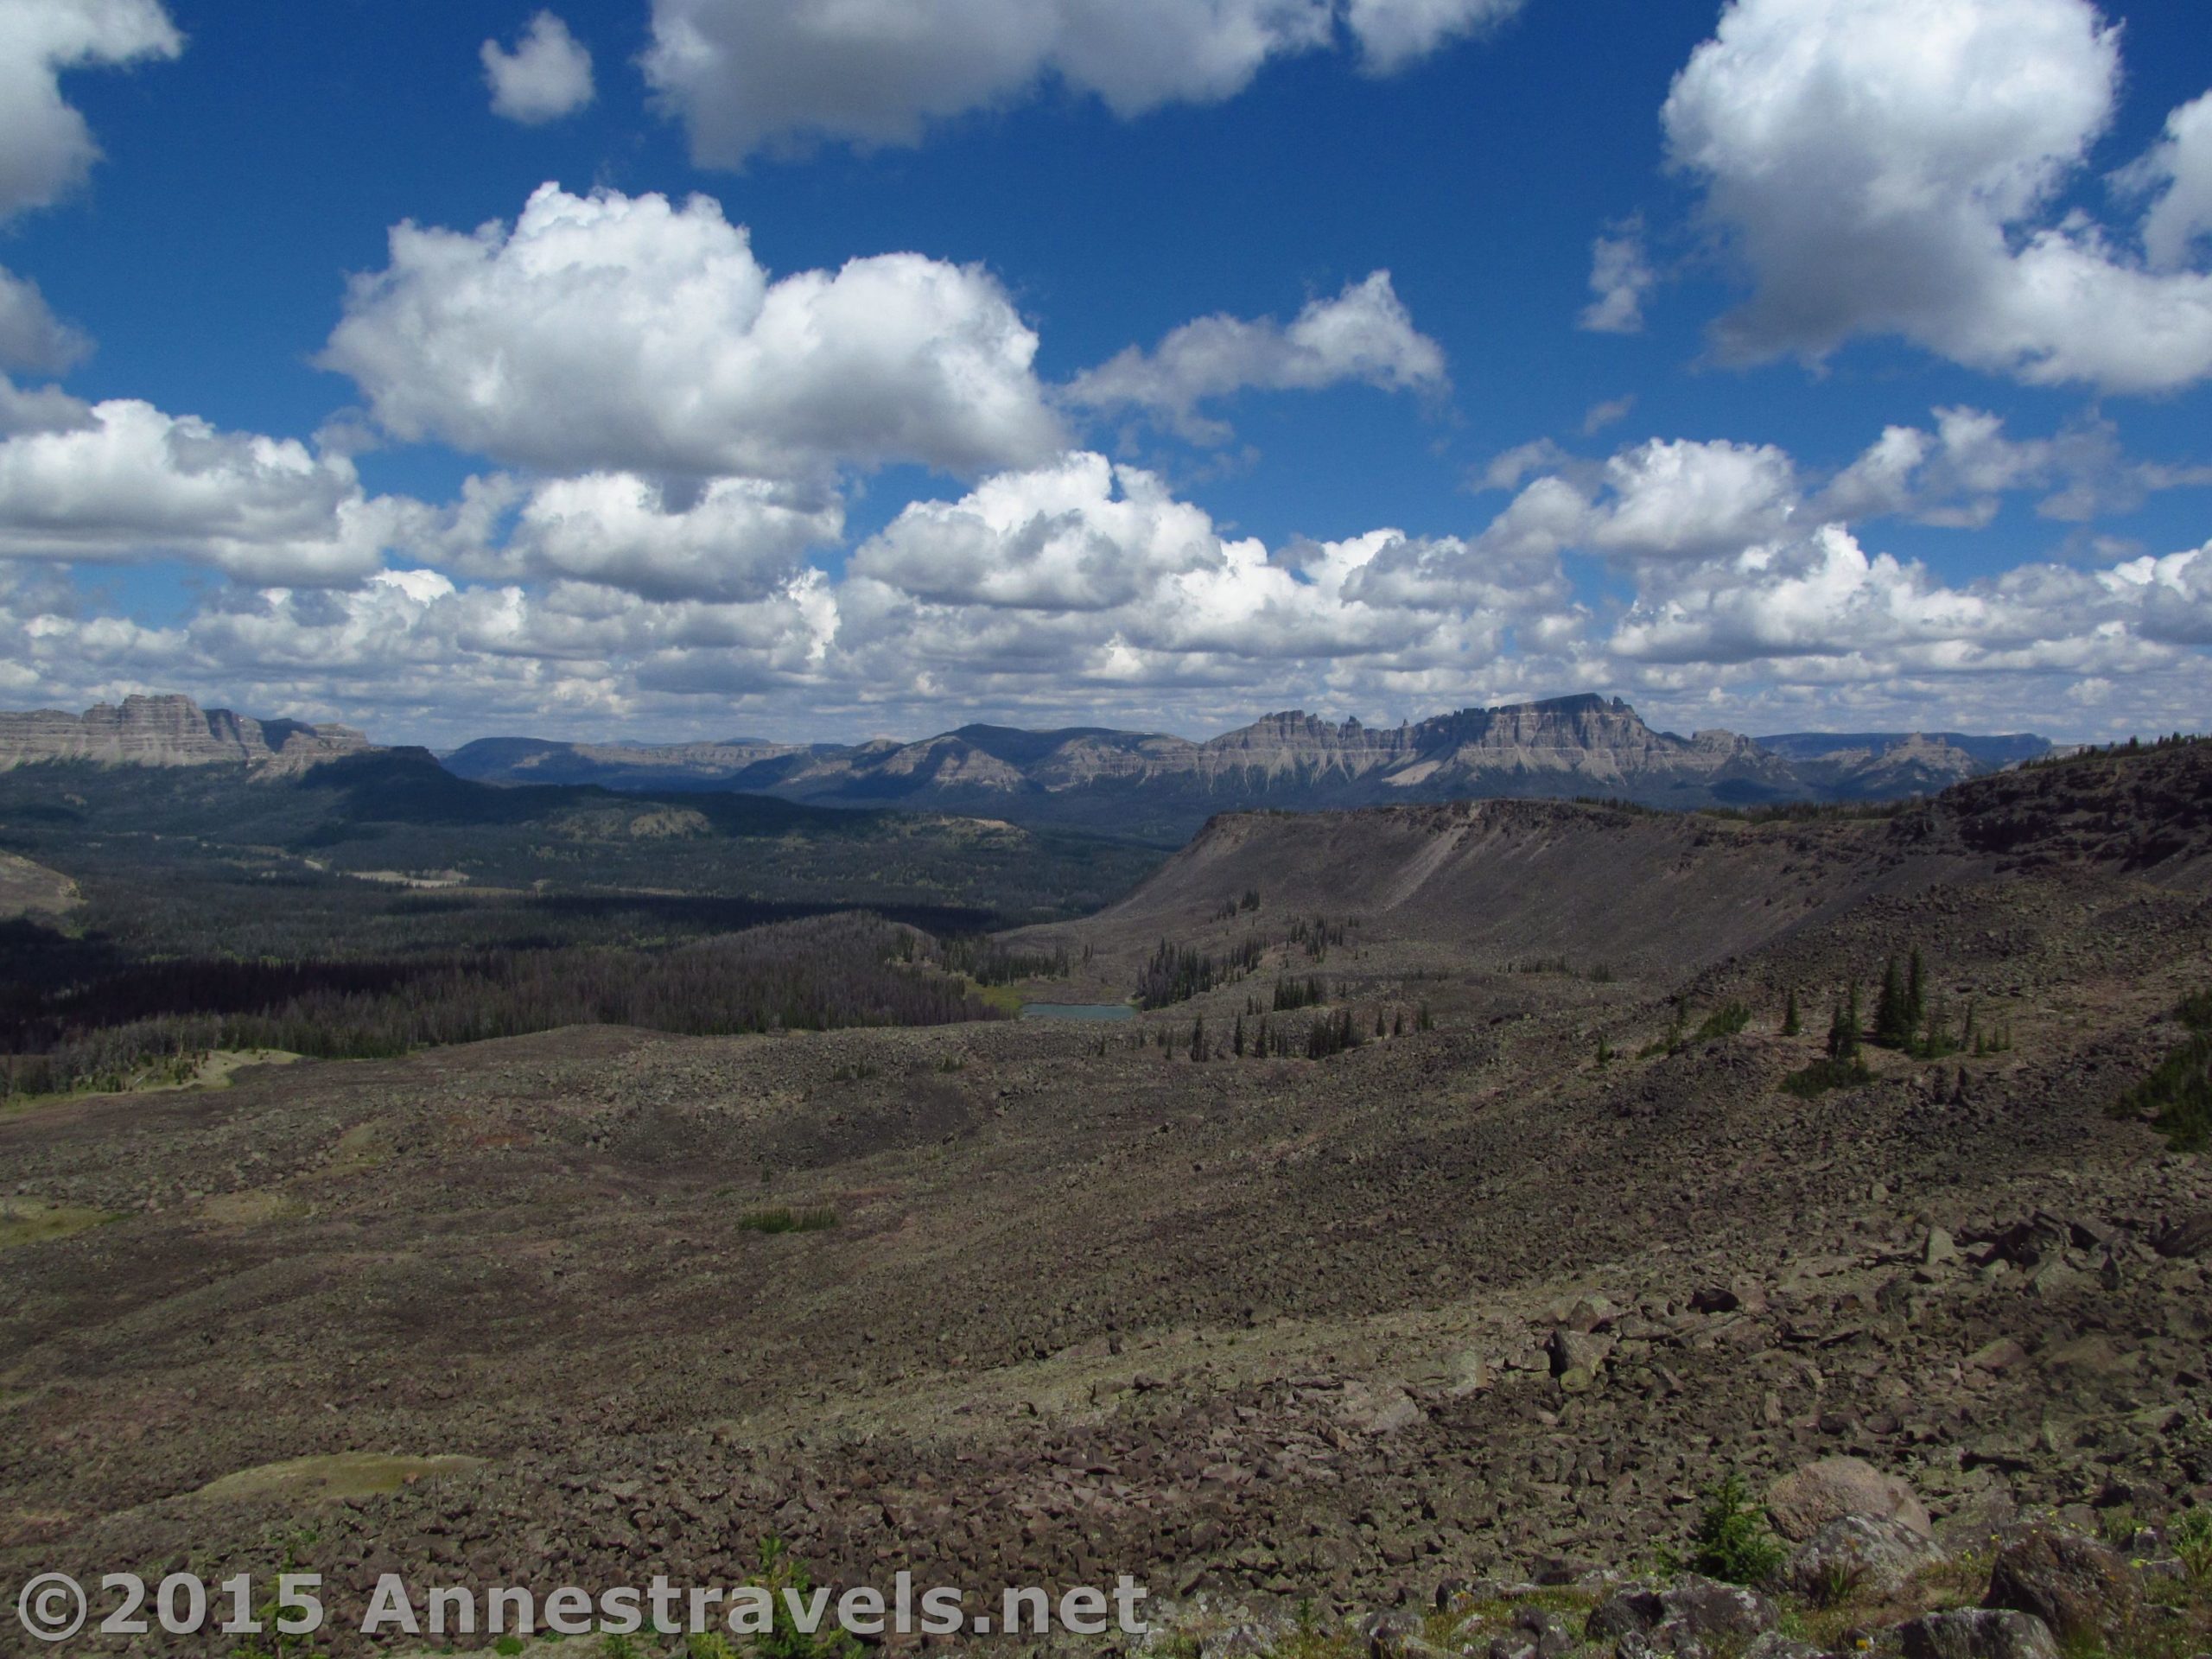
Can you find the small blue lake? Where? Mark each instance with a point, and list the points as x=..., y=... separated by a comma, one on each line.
x=1078, y=1011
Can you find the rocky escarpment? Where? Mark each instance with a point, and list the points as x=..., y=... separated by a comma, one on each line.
x=170, y=731
x=1096, y=777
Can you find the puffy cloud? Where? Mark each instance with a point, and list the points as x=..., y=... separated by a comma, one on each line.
x=1958, y=474
x=1505, y=470
x=122, y=480
x=1393, y=33
x=548, y=74
x=1676, y=498
x=743, y=73
x=618, y=332
x=1820, y=596
x=1059, y=538
x=1611, y=412
x=737, y=538
x=1620, y=276
x=1089, y=573
x=1363, y=334
x=31, y=336
x=42, y=409
x=2177, y=175
x=46, y=148
x=1822, y=608
x=748, y=75
x=1890, y=166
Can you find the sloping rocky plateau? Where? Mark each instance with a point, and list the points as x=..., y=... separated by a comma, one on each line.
x=1393, y=1333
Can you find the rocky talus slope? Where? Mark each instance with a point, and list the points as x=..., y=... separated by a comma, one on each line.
x=1444, y=1337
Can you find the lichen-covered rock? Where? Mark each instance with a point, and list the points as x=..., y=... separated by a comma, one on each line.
x=1636, y=1610
x=2081, y=1588
x=1978, y=1633
x=1870, y=1555
x=1801, y=1503
x=1717, y=1613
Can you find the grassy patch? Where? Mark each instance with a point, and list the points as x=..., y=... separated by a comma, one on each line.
x=784, y=1219
x=34, y=1221
x=251, y=1208
x=1004, y=998
x=337, y=1477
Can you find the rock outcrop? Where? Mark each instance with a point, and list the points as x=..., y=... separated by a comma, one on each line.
x=170, y=731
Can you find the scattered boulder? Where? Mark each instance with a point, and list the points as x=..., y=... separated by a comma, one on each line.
x=1775, y=1645
x=1862, y=1553
x=2002, y=1355
x=1716, y=1613
x=2189, y=1236
x=1978, y=1633
x=1635, y=1611
x=2089, y=1357
x=1577, y=1350
x=2027, y=1243
x=2081, y=1588
x=1698, y=1616
x=1387, y=1632
x=1801, y=1503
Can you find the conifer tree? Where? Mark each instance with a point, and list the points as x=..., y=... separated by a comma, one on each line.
x=1843, y=1027
x=1791, y=1025
x=1893, y=1019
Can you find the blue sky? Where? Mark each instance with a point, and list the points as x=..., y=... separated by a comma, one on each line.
x=993, y=480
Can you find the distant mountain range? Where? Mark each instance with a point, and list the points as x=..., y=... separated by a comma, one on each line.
x=1137, y=782
x=1148, y=783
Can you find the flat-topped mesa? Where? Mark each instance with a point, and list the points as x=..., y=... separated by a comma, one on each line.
x=170, y=731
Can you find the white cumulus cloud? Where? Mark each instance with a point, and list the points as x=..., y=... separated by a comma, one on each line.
x=2177, y=175
x=737, y=539
x=31, y=336
x=611, y=332
x=1620, y=276
x=743, y=75
x=46, y=148
x=1363, y=334
x=1894, y=166
x=1393, y=33
x=548, y=74
x=123, y=481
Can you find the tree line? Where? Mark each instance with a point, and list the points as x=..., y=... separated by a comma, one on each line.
x=155, y=1020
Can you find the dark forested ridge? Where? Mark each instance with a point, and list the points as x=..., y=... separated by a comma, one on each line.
x=376, y=904
x=79, y=1013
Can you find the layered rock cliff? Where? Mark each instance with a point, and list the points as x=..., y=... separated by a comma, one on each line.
x=170, y=731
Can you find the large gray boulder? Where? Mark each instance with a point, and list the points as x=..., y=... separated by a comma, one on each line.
x=1697, y=1617
x=2081, y=1588
x=1801, y=1503
x=1859, y=1555
x=1978, y=1633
